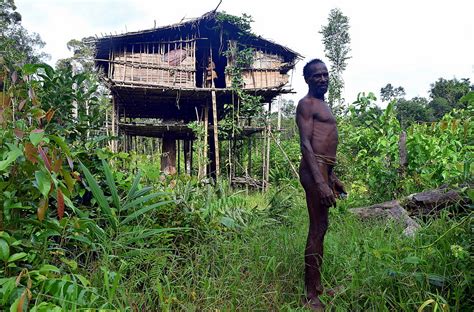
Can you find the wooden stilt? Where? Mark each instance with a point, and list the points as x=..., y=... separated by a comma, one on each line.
x=191, y=157
x=168, y=156
x=112, y=124
x=114, y=129
x=206, y=134
x=178, y=150
x=269, y=129
x=214, y=119
x=187, y=156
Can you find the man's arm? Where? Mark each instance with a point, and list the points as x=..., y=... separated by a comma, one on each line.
x=304, y=120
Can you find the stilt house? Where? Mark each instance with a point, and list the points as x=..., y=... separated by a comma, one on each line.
x=163, y=78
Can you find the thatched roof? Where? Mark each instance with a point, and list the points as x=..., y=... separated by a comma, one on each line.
x=204, y=27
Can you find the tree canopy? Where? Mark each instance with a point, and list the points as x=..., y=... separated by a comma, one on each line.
x=336, y=40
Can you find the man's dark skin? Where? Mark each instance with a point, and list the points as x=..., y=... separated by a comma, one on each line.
x=319, y=139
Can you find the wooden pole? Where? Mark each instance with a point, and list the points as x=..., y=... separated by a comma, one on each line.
x=402, y=147
x=279, y=118
x=214, y=117
x=269, y=129
x=187, y=156
x=179, y=155
x=112, y=143
x=264, y=155
x=168, y=156
x=206, y=134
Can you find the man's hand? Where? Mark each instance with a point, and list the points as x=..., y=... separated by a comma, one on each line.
x=326, y=195
x=339, y=189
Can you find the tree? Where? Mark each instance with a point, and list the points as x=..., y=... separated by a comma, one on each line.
x=414, y=110
x=83, y=55
x=336, y=40
x=288, y=108
x=389, y=93
x=16, y=43
x=446, y=95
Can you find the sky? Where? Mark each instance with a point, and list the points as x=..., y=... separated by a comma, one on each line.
x=408, y=43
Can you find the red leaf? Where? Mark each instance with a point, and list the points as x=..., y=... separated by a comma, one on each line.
x=42, y=207
x=31, y=153
x=19, y=134
x=60, y=200
x=57, y=165
x=50, y=114
x=32, y=96
x=21, y=105
x=45, y=158
x=21, y=302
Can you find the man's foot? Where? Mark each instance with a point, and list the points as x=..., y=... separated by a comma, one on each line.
x=313, y=304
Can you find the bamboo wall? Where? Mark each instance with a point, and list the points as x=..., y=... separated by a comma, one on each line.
x=169, y=64
x=264, y=72
x=173, y=64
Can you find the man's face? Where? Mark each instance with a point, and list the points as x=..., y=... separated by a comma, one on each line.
x=318, y=78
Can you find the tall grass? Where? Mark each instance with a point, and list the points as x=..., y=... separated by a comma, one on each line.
x=260, y=267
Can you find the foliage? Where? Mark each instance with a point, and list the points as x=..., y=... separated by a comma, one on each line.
x=198, y=145
x=83, y=56
x=336, y=40
x=414, y=110
x=79, y=230
x=16, y=44
x=241, y=23
x=288, y=109
x=389, y=93
x=438, y=152
x=248, y=105
x=445, y=95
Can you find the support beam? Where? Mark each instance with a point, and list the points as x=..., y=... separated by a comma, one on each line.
x=206, y=134
x=168, y=156
x=269, y=129
x=187, y=149
x=112, y=142
x=215, y=128
x=179, y=156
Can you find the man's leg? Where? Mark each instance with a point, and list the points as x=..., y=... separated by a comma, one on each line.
x=318, y=224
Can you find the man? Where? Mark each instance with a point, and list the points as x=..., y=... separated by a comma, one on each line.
x=318, y=139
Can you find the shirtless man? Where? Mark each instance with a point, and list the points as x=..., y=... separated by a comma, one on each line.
x=318, y=139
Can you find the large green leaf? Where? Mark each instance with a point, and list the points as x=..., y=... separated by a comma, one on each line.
x=43, y=183
x=10, y=156
x=144, y=210
x=142, y=191
x=133, y=189
x=111, y=183
x=99, y=196
x=36, y=136
x=136, y=202
x=4, y=250
x=17, y=256
x=62, y=144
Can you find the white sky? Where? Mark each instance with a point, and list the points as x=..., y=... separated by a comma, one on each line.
x=409, y=43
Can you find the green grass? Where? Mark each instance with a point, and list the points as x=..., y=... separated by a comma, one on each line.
x=260, y=267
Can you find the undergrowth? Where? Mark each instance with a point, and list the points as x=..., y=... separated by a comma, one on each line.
x=260, y=267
